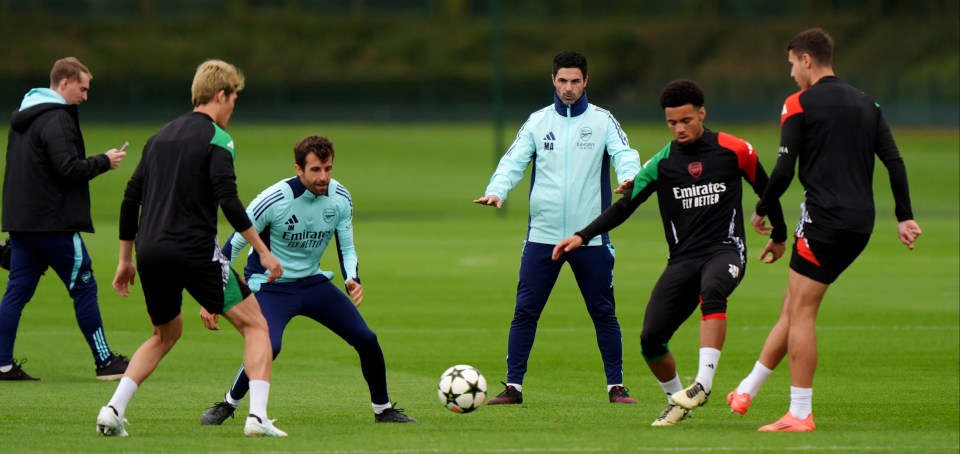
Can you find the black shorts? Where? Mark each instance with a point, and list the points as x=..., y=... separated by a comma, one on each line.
x=824, y=261
x=706, y=282
x=211, y=282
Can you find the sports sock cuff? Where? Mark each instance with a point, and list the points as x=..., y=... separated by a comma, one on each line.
x=230, y=400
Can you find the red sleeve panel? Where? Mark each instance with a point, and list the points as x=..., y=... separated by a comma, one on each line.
x=746, y=156
x=791, y=107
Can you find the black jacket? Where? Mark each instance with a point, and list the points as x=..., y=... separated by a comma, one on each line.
x=47, y=174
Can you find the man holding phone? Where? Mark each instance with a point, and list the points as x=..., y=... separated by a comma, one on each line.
x=46, y=204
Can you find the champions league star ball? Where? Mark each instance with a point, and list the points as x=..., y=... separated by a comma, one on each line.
x=462, y=389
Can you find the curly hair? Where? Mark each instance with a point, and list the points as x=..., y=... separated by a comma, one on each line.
x=680, y=93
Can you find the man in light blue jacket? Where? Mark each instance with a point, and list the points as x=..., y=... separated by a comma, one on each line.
x=571, y=144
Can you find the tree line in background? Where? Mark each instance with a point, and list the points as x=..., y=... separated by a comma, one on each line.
x=379, y=59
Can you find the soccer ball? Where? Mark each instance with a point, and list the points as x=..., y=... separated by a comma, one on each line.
x=462, y=389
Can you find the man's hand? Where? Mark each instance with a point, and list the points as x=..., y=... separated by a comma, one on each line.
x=775, y=250
x=271, y=263
x=490, y=200
x=624, y=187
x=567, y=245
x=356, y=292
x=125, y=277
x=209, y=320
x=115, y=156
x=908, y=231
x=760, y=225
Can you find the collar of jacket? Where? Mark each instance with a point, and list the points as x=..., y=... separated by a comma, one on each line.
x=576, y=109
x=299, y=190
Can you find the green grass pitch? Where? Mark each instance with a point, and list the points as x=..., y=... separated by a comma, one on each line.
x=439, y=276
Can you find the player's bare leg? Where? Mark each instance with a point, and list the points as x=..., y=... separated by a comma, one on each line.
x=258, y=363
x=148, y=356
x=773, y=351
x=257, y=352
x=142, y=364
x=805, y=297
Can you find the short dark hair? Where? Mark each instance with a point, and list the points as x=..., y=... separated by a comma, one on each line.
x=570, y=59
x=680, y=93
x=319, y=146
x=814, y=42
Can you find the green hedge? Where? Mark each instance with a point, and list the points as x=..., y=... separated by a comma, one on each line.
x=301, y=63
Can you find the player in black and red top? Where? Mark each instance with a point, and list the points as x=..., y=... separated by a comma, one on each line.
x=697, y=179
x=833, y=130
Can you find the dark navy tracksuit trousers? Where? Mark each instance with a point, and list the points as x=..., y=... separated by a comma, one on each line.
x=317, y=298
x=593, y=269
x=30, y=255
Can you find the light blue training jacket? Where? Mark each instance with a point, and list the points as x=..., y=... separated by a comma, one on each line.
x=571, y=148
x=297, y=226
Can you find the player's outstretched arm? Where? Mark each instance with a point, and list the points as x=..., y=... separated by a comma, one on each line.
x=908, y=231
x=567, y=245
x=489, y=200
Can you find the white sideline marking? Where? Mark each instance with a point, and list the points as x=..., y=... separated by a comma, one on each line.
x=899, y=448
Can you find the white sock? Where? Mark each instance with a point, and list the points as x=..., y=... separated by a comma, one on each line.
x=709, y=357
x=121, y=397
x=379, y=408
x=230, y=400
x=670, y=387
x=518, y=386
x=801, y=402
x=6, y=368
x=758, y=376
x=259, y=393
x=609, y=387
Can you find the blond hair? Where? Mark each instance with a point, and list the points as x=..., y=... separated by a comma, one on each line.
x=213, y=76
x=67, y=68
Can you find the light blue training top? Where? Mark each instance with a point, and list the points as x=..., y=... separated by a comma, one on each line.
x=571, y=148
x=297, y=226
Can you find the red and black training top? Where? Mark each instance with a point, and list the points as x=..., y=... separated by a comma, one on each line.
x=835, y=130
x=699, y=191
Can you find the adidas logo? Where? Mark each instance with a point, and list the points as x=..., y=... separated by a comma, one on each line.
x=548, y=141
x=292, y=222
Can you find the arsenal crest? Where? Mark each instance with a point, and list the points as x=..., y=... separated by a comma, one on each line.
x=585, y=133
x=695, y=169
